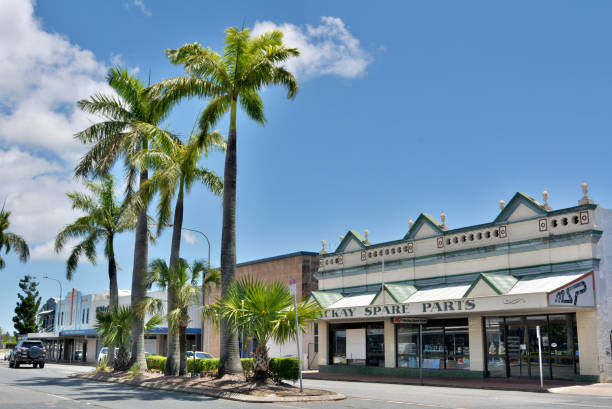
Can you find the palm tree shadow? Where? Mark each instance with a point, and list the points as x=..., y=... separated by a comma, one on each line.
x=79, y=389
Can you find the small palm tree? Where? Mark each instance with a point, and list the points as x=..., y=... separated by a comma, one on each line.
x=265, y=311
x=104, y=218
x=129, y=121
x=248, y=64
x=11, y=241
x=114, y=327
x=181, y=282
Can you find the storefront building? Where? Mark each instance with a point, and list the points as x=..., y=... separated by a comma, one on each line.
x=73, y=336
x=469, y=302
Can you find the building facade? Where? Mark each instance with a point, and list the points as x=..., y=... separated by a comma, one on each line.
x=471, y=301
x=300, y=266
x=73, y=336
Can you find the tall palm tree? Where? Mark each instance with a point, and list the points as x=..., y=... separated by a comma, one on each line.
x=176, y=169
x=104, y=217
x=129, y=120
x=181, y=282
x=248, y=64
x=115, y=327
x=10, y=240
x=265, y=311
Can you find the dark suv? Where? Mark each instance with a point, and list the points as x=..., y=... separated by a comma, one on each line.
x=28, y=352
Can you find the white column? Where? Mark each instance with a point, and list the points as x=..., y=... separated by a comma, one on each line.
x=323, y=343
x=389, y=344
x=477, y=357
x=586, y=323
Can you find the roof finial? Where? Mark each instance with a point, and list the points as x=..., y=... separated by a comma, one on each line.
x=410, y=223
x=585, y=190
x=341, y=237
x=443, y=219
x=367, y=234
x=502, y=204
x=323, y=243
x=545, y=198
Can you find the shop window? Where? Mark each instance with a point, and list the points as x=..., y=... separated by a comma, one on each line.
x=433, y=347
x=357, y=344
x=407, y=346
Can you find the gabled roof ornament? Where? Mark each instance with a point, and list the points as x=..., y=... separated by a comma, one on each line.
x=585, y=199
x=410, y=223
x=323, y=243
x=366, y=233
x=443, y=220
x=502, y=204
x=545, y=199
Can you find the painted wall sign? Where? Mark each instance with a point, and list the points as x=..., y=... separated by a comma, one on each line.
x=579, y=293
x=442, y=307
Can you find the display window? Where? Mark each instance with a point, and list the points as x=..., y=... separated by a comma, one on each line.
x=357, y=344
x=512, y=346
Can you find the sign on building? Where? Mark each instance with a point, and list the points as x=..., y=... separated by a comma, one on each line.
x=578, y=293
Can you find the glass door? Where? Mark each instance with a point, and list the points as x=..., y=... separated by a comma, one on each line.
x=562, y=346
x=375, y=345
x=534, y=366
x=496, y=347
x=433, y=347
x=516, y=341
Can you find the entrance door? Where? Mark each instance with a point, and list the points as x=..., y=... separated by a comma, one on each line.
x=516, y=341
x=534, y=366
x=562, y=346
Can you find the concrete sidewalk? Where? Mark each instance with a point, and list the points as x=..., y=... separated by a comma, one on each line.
x=510, y=384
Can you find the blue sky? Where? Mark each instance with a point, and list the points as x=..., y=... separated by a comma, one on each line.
x=404, y=107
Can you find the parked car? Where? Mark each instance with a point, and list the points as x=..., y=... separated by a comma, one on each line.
x=104, y=352
x=199, y=355
x=28, y=351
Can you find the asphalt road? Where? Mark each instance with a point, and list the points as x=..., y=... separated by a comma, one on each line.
x=50, y=388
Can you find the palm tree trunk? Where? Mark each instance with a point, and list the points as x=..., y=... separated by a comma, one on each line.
x=139, y=280
x=261, y=362
x=230, y=357
x=173, y=362
x=113, y=292
x=183, y=350
x=173, y=358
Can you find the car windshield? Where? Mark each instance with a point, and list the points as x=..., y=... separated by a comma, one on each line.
x=31, y=344
x=203, y=355
x=104, y=350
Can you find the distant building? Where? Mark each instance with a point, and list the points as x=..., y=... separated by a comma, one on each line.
x=470, y=301
x=301, y=266
x=73, y=337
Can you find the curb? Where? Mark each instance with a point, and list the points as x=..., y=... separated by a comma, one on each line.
x=213, y=393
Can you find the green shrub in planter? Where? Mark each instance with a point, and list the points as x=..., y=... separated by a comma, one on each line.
x=284, y=368
x=156, y=362
x=247, y=366
x=209, y=366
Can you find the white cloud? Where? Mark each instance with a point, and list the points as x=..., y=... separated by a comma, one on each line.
x=189, y=237
x=140, y=5
x=327, y=49
x=42, y=75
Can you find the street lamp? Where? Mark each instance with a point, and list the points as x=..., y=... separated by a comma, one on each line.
x=203, y=279
x=59, y=302
x=57, y=310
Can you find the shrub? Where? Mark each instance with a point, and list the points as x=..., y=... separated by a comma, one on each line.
x=134, y=370
x=209, y=366
x=102, y=366
x=284, y=368
x=156, y=362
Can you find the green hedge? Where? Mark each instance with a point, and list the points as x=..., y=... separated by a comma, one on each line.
x=280, y=368
x=156, y=362
x=284, y=368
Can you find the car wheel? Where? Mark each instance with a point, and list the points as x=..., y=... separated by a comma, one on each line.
x=16, y=365
x=10, y=364
x=34, y=365
x=41, y=366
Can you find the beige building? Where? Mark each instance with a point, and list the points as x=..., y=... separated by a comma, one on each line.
x=301, y=266
x=471, y=301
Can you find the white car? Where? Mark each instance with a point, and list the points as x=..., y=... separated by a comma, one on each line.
x=103, y=353
x=199, y=355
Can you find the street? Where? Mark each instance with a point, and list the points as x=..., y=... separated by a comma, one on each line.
x=51, y=388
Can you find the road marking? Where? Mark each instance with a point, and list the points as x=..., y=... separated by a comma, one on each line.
x=58, y=396
x=429, y=405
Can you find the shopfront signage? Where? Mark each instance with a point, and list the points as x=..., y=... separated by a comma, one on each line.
x=407, y=320
x=578, y=293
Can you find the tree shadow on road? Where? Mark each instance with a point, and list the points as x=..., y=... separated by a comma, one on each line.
x=79, y=389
